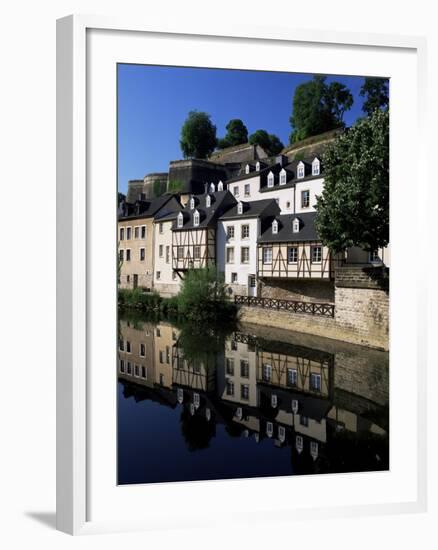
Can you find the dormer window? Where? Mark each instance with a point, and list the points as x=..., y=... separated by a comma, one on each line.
x=296, y=225
x=283, y=177
x=192, y=203
x=258, y=166
x=220, y=186
x=247, y=169
x=212, y=188
x=275, y=227
x=316, y=167
x=208, y=201
x=270, y=179
x=239, y=208
x=196, y=218
x=300, y=170
x=180, y=220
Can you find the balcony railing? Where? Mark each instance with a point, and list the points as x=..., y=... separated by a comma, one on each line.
x=308, y=308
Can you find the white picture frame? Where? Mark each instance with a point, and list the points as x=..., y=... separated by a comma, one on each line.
x=76, y=214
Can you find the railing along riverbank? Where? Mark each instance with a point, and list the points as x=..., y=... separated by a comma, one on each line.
x=294, y=306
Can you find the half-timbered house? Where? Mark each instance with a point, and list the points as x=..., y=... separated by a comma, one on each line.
x=237, y=234
x=290, y=248
x=194, y=230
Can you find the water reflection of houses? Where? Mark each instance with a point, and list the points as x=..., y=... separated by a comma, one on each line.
x=256, y=388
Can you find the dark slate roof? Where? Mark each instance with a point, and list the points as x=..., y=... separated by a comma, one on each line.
x=252, y=209
x=221, y=202
x=285, y=234
x=144, y=208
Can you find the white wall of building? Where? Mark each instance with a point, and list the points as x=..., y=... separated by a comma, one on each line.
x=314, y=187
x=164, y=281
x=243, y=270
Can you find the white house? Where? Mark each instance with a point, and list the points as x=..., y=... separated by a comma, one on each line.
x=236, y=241
x=166, y=280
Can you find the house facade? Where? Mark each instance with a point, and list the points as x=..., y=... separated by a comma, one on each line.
x=237, y=233
x=135, y=236
x=165, y=280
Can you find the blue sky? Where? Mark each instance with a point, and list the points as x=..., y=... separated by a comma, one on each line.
x=153, y=103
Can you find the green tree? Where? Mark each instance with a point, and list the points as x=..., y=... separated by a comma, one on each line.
x=376, y=94
x=237, y=133
x=269, y=142
x=353, y=209
x=318, y=107
x=198, y=135
x=202, y=297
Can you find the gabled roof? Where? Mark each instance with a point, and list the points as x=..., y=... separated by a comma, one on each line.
x=145, y=209
x=285, y=233
x=221, y=201
x=253, y=209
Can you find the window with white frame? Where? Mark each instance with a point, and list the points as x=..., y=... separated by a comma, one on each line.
x=230, y=232
x=296, y=225
x=236, y=191
x=234, y=278
x=274, y=227
x=230, y=255
x=220, y=186
x=128, y=254
x=144, y=372
x=267, y=255
x=292, y=254
x=192, y=203
x=122, y=366
x=247, y=190
x=128, y=233
x=244, y=391
x=122, y=234
x=161, y=228
x=136, y=232
x=315, y=382
x=208, y=201
x=143, y=232
x=245, y=231
x=229, y=366
x=167, y=254
x=305, y=199
x=316, y=254
x=270, y=179
x=300, y=170
x=247, y=169
x=196, y=218
x=142, y=350
x=128, y=346
x=266, y=372
x=128, y=367
x=121, y=254
x=142, y=254
x=244, y=255
x=212, y=188
x=283, y=177
x=197, y=252
x=292, y=377
x=121, y=345
x=180, y=220
x=160, y=250
x=180, y=252
x=240, y=208
x=258, y=166
x=316, y=167
x=244, y=368
x=230, y=387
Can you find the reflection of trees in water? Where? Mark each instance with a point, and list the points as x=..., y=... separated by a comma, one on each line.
x=196, y=430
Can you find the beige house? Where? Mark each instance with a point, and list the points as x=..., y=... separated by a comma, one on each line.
x=136, y=353
x=135, y=239
x=166, y=281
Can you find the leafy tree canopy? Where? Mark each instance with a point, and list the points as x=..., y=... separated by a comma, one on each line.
x=269, y=142
x=198, y=135
x=237, y=133
x=353, y=209
x=376, y=94
x=318, y=107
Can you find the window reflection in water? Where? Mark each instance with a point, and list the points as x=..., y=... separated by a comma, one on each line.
x=214, y=406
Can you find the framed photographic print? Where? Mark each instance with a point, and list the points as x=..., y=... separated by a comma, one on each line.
x=234, y=217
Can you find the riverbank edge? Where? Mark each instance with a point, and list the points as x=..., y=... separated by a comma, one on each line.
x=325, y=327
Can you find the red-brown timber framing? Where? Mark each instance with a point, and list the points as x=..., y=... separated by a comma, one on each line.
x=183, y=248
x=303, y=268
